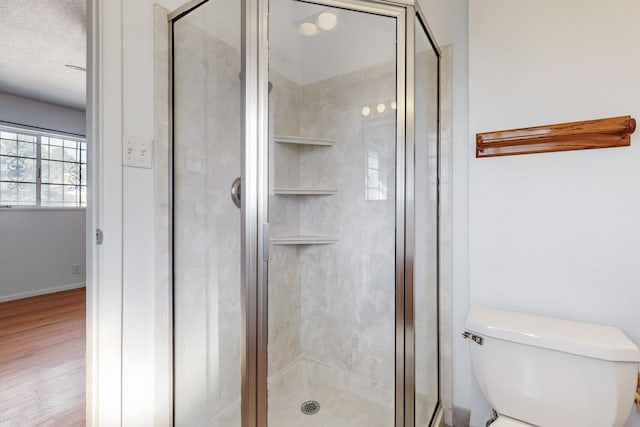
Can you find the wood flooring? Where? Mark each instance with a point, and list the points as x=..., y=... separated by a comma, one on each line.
x=42, y=360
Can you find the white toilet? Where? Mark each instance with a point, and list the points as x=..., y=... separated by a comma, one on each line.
x=546, y=372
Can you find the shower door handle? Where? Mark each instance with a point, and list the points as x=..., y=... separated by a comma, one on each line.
x=236, y=192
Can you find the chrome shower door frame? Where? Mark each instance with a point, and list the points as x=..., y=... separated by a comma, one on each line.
x=255, y=169
x=404, y=365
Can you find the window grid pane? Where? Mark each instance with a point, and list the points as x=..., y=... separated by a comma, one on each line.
x=17, y=169
x=17, y=194
x=62, y=170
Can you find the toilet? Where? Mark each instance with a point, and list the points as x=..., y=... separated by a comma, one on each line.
x=540, y=371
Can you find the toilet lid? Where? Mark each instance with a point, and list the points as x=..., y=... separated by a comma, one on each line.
x=503, y=421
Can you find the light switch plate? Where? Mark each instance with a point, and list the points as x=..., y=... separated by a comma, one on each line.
x=137, y=152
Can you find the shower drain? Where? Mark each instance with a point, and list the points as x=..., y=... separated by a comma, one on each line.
x=310, y=407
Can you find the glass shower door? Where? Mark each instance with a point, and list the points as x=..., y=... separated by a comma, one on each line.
x=425, y=278
x=206, y=223
x=332, y=215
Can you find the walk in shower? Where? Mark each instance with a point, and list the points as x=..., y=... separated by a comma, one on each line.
x=305, y=147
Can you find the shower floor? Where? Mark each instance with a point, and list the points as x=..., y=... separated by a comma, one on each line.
x=346, y=400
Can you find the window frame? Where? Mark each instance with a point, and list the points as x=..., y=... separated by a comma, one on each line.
x=39, y=134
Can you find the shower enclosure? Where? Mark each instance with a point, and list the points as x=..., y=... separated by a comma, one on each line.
x=305, y=147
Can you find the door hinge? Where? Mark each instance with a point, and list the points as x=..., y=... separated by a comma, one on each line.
x=99, y=236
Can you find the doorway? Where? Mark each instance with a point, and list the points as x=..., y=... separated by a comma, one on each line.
x=43, y=202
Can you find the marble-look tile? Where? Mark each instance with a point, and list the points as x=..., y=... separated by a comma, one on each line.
x=317, y=372
x=206, y=224
x=285, y=101
x=207, y=241
x=446, y=231
x=162, y=255
x=284, y=119
x=425, y=277
x=348, y=288
x=285, y=310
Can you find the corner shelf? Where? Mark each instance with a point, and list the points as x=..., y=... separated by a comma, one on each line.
x=303, y=140
x=304, y=240
x=601, y=133
x=300, y=191
x=302, y=144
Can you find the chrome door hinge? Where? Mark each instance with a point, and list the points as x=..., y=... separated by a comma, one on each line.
x=475, y=338
x=99, y=236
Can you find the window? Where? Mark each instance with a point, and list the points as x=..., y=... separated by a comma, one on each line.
x=376, y=190
x=38, y=169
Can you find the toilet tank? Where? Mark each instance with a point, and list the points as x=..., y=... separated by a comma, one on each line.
x=552, y=372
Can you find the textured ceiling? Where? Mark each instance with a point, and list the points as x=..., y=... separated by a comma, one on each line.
x=37, y=39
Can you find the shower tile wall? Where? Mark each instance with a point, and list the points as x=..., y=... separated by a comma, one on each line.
x=206, y=223
x=207, y=298
x=284, y=270
x=348, y=289
x=162, y=219
x=338, y=305
x=446, y=229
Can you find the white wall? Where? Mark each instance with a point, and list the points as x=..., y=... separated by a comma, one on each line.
x=16, y=109
x=38, y=248
x=145, y=352
x=555, y=234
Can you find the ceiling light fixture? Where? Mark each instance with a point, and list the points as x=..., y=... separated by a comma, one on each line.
x=366, y=111
x=75, y=67
x=308, y=29
x=327, y=21
x=381, y=107
x=394, y=105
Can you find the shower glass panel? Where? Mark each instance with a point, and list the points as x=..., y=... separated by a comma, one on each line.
x=332, y=216
x=206, y=223
x=425, y=280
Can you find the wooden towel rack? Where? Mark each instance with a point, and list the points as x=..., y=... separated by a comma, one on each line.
x=601, y=133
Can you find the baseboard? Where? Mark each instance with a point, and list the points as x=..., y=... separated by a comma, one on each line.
x=41, y=292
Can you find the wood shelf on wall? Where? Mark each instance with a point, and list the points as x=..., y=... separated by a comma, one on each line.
x=601, y=133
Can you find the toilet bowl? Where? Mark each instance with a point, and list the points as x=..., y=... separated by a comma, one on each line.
x=541, y=371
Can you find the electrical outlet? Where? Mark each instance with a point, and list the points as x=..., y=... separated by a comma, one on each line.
x=137, y=152
x=75, y=268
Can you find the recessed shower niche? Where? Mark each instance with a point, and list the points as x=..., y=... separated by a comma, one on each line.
x=315, y=302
